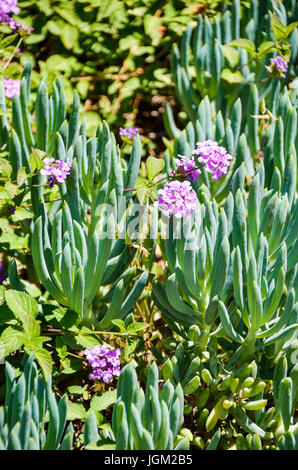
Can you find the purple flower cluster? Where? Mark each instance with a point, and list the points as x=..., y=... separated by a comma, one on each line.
x=177, y=198
x=105, y=363
x=188, y=167
x=11, y=87
x=279, y=64
x=8, y=7
x=214, y=157
x=12, y=209
x=3, y=274
x=130, y=132
x=56, y=169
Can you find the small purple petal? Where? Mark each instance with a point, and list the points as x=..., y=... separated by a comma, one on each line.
x=214, y=157
x=177, y=198
x=130, y=132
x=11, y=87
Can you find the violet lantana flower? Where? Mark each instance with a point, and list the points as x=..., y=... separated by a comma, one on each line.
x=11, y=87
x=278, y=67
x=56, y=170
x=214, y=157
x=3, y=274
x=9, y=6
x=129, y=132
x=105, y=363
x=177, y=198
x=188, y=167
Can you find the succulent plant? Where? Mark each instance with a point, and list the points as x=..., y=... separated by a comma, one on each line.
x=32, y=418
x=143, y=421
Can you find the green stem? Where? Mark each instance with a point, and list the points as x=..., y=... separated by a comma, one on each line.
x=12, y=56
x=258, y=54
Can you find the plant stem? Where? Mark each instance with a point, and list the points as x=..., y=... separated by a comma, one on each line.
x=257, y=55
x=13, y=54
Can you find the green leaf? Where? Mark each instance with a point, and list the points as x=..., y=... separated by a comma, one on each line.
x=234, y=78
x=21, y=176
x=154, y=167
x=103, y=444
x=142, y=190
x=31, y=326
x=2, y=294
x=99, y=403
x=7, y=41
x=214, y=415
x=87, y=341
x=69, y=36
x=11, y=339
x=33, y=343
x=76, y=411
x=5, y=167
x=21, y=304
x=129, y=348
x=120, y=324
x=245, y=422
x=36, y=159
x=73, y=366
x=291, y=28
x=133, y=328
x=5, y=113
x=21, y=214
x=265, y=48
x=278, y=28
x=244, y=44
x=44, y=359
x=231, y=54
x=75, y=390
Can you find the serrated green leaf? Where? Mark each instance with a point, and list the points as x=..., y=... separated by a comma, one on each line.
x=104, y=401
x=87, y=341
x=5, y=167
x=243, y=44
x=231, y=54
x=76, y=411
x=73, y=366
x=233, y=78
x=21, y=176
x=142, y=190
x=21, y=303
x=36, y=159
x=278, y=28
x=291, y=28
x=21, y=214
x=44, y=359
x=11, y=339
x=137, y=326
x=31, y=326
x=120, y=324
x=69, y=36
x=265, y=48
x=154, y=167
